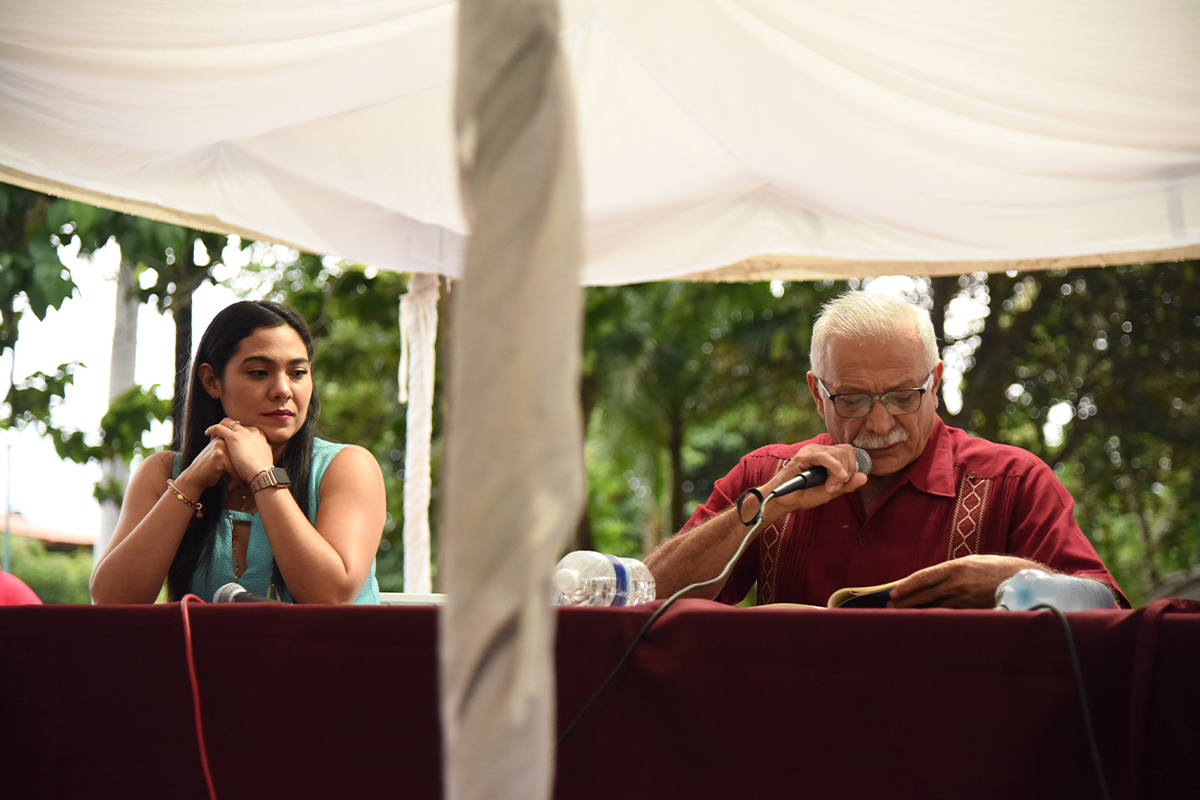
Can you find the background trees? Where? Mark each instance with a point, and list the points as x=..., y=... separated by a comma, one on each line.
x=680, y=380
x=1096, y=371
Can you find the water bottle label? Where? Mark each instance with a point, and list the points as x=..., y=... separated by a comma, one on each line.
x=621, y=597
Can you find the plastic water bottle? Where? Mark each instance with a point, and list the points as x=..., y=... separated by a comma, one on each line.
x=1031, y=587
x=588, y=578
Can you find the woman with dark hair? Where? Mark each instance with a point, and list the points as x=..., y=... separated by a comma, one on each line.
x=254, y=497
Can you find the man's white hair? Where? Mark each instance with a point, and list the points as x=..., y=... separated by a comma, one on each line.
x=859, y=316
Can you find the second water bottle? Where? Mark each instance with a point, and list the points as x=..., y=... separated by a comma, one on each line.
x=588, y=578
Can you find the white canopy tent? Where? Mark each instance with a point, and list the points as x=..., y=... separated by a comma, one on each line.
x=727, y=140
x=717, y=140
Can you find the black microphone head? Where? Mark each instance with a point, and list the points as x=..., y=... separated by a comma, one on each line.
x=863, y=459
x=227, y=592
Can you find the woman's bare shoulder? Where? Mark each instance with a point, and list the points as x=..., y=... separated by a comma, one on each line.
x=157, y=466
x=354, y=459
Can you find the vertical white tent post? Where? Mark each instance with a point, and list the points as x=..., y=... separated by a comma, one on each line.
x=418, y=340
x=120, y=378
x=513, y=466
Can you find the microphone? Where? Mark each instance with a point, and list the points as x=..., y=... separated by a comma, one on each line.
x=236, y=593
x=815, y=476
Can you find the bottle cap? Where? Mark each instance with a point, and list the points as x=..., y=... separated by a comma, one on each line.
x=567, y=580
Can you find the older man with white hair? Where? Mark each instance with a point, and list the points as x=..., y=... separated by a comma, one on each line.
x=948, y=515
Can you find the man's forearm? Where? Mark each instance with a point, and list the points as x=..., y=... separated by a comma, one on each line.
x=701, y=553
x=698, y=554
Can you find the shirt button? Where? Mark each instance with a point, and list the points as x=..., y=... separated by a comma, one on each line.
x=862, y=542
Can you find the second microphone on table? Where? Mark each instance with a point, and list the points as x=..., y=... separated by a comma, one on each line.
x=236, y=593
x=815, y=476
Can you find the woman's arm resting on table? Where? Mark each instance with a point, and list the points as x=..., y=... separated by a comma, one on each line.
x=134, y=566
x=329, y=562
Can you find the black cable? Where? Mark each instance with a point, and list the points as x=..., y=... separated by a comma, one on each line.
x=1083, y=702
x=620, y=664
x=658, y=612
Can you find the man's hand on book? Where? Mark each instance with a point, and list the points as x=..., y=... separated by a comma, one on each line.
x=968, y=582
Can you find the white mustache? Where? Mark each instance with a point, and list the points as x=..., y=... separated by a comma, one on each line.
x=868, y=441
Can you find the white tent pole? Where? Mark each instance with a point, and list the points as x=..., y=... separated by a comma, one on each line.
x=418, y=340
x=513, y=475
x=121, y=373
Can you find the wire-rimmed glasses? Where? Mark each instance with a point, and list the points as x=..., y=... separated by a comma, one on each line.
x=897, y=403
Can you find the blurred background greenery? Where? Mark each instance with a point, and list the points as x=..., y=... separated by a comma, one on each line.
x=1095, y=370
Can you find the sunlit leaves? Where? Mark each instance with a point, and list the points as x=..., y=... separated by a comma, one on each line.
x=31, y=275
x=30, y=401
x=1116, y=348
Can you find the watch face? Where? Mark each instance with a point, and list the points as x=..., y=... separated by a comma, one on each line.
x=270, y=476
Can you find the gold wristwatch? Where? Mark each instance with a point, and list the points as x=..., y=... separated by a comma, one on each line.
x=270, y=476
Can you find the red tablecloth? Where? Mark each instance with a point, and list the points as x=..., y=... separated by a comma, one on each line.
x=341, y=702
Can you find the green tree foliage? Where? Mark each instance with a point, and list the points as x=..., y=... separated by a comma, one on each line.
x=34, y=278
x=55, y=576
x=32, y=401
x=31, y=275
x=1115, y=355
x=681, y=379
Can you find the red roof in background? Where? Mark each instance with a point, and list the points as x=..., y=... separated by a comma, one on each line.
x=18, y=524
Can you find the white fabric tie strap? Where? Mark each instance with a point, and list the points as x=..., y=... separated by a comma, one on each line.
x=512, y=469
x=418, y=340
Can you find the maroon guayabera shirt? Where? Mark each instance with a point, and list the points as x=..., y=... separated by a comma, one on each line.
x=963, y=495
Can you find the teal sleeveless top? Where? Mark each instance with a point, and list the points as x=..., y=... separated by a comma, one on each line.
x=256, y=578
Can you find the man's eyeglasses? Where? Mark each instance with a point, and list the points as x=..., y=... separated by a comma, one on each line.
x=897, y=403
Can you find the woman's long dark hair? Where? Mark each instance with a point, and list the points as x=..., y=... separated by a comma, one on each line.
x=219, y=344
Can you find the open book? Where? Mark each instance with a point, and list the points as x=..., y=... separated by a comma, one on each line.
x=854, y=597
x=861, y=596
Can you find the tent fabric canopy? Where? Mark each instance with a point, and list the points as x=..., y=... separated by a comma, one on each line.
x=721, y=140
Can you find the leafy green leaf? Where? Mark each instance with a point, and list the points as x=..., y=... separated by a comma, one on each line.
x=30, y=401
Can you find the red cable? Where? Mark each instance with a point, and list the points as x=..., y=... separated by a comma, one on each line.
x=191, y=662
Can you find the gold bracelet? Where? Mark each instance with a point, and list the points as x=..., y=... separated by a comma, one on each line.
x=175, y=490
